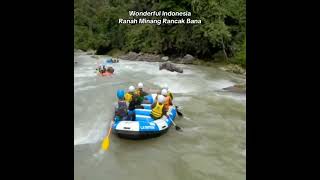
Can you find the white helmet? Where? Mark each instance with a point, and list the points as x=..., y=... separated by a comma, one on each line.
x=161, y=99
x=140, y=85
x=164, y=92
x=131, y=88
x=165, y=86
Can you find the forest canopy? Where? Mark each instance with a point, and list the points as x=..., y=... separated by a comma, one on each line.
x=222, y=32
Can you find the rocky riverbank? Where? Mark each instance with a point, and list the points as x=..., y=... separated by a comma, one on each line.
x=238, y=88
x=132, y=56
x=168, y=61
x=187, y=59
x=170, y=64
x=234, y=69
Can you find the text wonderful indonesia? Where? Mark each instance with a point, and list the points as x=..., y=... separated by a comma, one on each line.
x=159, y=13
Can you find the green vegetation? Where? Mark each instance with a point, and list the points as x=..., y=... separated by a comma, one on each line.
x=221, y=34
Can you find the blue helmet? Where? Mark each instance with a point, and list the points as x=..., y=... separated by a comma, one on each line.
x=120, y=94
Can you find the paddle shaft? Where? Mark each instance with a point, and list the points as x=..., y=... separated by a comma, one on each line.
x=109, y=131
x=173, y=122
x=179, y=112
x=177, y=127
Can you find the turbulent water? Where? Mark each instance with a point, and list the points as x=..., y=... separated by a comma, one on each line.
x=213, y=142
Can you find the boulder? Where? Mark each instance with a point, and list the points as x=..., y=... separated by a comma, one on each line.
x=130, y=56
x=187, y=59
x=149, y=58
x=165, y=58
x=142, y=57
x=170, y=67
x=234, y=69
x=90, y=52
x=238, y=88
x=77, y=51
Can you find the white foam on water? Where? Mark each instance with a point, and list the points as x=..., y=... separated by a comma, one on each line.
x=89, y=133
x=85, y=88
x=219, y=84
x=91, y=137
x=176, y=81
x=99, y=155
x=237, y=97
x=175, y=84
x=113, y=83
x=192, y=130
x=187, y=118
x=151, y=68
x=85, y=74
x=85, y=71
x=182, y=99
x=78, y=83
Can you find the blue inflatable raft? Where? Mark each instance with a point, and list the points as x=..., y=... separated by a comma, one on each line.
x=108, y=61
x=144, y=126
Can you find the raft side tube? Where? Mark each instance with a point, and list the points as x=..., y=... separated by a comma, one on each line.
x=146, y=106
x=145, y=112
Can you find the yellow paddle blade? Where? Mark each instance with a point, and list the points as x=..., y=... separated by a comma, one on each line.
x=105, y=143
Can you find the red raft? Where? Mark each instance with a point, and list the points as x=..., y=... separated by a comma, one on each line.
x=109, y=71
x=105, y=73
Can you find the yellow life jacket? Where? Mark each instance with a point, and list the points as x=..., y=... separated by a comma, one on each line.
x=138, y=92
x=157, y=110
x=128, y=97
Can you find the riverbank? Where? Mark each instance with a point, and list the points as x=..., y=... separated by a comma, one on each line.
x=187, y=59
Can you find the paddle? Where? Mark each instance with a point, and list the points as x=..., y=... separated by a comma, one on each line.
x=177, y=127
x=179, y=113
x=106, y=141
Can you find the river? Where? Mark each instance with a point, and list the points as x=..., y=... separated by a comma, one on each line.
x=212, y=145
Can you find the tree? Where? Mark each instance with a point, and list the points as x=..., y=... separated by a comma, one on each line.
x=222, y=29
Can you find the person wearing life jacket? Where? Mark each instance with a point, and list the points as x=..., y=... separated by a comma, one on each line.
x=132, y=99
x=110, y=69
x=158, y=109
x=121, y=109
x=165, y=86
x=129, y=95
x=100, y=69
x=104, y=69
x=167, y=101
x=140, y=93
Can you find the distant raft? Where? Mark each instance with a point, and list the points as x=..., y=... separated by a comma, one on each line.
x=105, y=74
x=144, y=126
x=110, y=61
x=109, y=71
